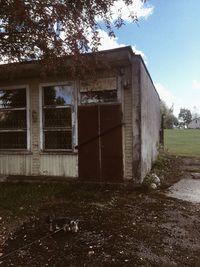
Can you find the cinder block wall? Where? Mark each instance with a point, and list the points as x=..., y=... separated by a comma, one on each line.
x=132, y=119
x=127, y=119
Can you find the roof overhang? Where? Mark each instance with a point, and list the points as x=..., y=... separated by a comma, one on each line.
x=101, y=60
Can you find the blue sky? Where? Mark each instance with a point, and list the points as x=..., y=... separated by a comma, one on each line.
x=168, y=37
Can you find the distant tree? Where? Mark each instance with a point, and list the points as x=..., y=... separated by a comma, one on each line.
x=185, y=117
x=195, y=113
x=170, y=119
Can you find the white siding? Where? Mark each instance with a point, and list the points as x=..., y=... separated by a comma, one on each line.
x=34, y=162
x=59, y=165
x=15, y=164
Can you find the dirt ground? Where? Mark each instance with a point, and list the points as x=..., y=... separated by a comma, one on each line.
x=117, y=227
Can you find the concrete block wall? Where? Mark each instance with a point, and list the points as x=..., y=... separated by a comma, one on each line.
x=127, y=119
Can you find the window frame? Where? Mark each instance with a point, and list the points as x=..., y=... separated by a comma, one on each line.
x=73, y=116
x=27, y=108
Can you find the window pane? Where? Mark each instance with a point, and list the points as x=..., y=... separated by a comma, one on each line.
x=58, y=140
x=57, y=95
x=13, y=98
x=57, y=117
x=12, y=119
x=98, y=96
x=13, y=140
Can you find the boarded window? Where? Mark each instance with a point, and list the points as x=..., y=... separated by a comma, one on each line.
x=13, y=119
x=57, y=117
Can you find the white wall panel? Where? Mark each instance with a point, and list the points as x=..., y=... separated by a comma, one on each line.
x=59, y=165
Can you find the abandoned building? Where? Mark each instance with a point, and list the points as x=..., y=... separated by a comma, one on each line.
x=103, y=128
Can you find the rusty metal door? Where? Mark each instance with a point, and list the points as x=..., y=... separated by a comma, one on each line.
x=111, y=142
x=100, y=143
x=88, y=148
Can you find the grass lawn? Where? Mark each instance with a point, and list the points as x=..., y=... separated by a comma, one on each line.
x=182, y=142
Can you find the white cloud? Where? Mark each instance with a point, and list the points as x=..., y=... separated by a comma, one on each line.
x=169, y=98
x=138, y=8
x=108, y=42
x=185, y=100
x=196, y=84
x=165, y=94
x=139, y=52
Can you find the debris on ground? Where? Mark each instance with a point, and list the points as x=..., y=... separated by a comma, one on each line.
x=116, y=227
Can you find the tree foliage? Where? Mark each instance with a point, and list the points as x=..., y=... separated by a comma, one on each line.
x=52, y=28
x=170, y=119
x=185, y=117
x=195, y=113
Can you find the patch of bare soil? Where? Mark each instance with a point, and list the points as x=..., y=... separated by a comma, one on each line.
x=116, y=228
x=129, y=230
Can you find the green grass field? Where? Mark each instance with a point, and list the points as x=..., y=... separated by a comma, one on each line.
x=182, y=142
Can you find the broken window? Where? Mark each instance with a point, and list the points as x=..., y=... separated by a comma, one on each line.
x=99, y=96
x=102, y=90
x=57, y=117
x=13, y=119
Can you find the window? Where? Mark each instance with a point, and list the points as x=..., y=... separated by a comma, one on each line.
x=102, y=90
x=13, y=119
x=57, y=117
x=103, y=96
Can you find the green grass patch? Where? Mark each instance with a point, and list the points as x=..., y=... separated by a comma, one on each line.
x=183, y=142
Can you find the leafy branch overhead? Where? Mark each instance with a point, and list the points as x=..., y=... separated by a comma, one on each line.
x=50, y=28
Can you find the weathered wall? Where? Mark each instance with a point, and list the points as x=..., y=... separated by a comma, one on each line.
x=141, y=118
x=59, y=165
x=150, y=121
x=15, y=164
x=36, y=162
x=136, y=125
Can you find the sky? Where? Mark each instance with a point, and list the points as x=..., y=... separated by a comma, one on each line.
x=167, y=36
